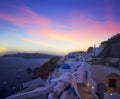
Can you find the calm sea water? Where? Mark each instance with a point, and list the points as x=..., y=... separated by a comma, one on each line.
x=12, y=73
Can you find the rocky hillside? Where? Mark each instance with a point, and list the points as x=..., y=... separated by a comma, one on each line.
x=45, y=69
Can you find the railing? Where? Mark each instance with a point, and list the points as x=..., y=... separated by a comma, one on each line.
x=74, y=88
x=34, y=93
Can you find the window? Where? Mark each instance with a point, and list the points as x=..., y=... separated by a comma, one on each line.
x=86, y=75
x=112, y=83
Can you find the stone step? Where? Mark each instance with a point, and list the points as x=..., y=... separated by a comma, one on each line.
x=86, y=96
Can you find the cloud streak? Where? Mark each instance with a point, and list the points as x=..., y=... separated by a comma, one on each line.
x=79, y=31
x=28, y=19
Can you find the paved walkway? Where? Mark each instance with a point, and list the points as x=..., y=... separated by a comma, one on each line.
x=69, y=95
x=84, y=92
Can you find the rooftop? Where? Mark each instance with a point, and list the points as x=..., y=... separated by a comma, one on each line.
x=66, y=66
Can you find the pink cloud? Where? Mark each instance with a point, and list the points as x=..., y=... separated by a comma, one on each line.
x=62, y=26
x=17, y=21
x=35, y=18
x=61, y=47
x=84, y=31
x=38, y=42
x=92, y=29
x=28, y=19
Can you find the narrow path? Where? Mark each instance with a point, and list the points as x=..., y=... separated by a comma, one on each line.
x=84, y=92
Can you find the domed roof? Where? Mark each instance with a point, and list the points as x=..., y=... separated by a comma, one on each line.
x=66, y=66
x=71, y=56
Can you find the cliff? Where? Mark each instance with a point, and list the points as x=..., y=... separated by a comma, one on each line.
x=45, y=69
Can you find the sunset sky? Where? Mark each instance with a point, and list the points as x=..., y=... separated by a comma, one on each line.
x=56, y=26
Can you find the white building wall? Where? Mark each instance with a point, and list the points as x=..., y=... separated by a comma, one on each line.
x=90, y=83
x=87, y=68
x=113, y=96
x=80, y=74
x=99, y=73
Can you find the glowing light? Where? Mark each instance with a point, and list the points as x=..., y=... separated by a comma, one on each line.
x=111, y=94
x=93, y=87
x=88, y=84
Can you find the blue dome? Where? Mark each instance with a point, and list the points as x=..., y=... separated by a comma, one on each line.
x=66, y=66
x=71, y=56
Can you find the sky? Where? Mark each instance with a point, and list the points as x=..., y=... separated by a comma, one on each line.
x=56, y=26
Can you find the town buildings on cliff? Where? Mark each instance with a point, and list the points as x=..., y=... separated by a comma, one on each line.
x=94, y=74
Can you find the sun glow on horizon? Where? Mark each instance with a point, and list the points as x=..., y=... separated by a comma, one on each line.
x=3, y=50
x=28, y=27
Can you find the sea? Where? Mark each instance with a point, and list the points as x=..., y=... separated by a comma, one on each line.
x=13, y=73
